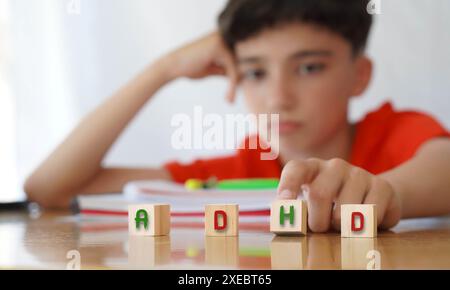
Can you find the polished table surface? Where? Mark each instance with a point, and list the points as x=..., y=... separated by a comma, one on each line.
x=60, y=240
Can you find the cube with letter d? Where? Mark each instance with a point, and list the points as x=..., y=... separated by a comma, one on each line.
x=358, y=220
x=288, y=217
x=221, y=219
x=149, y=219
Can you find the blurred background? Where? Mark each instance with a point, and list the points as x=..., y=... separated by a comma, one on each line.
x=59, y=59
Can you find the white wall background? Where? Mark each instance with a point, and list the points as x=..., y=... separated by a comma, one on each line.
x=63, y=65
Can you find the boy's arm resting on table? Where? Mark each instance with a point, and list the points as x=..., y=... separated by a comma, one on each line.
x=107, y=180
x=75, y=166
x=423, y=183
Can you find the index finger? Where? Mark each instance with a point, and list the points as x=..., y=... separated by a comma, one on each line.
x=295, y=174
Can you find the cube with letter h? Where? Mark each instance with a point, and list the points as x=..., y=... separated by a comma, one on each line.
x=149, y=219
x=288, y=217
x=358, y=221
x=221, y=219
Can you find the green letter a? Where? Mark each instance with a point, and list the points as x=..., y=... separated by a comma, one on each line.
x=141, y=217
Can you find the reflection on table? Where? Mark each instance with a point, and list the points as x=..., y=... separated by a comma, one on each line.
x=44, y=241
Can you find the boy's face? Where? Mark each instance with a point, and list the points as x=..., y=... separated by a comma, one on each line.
x=307, y=75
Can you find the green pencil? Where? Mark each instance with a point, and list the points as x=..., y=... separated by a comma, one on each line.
x=247, y=184
x=233, y=184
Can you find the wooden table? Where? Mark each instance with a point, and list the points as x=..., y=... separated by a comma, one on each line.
x=60, y=240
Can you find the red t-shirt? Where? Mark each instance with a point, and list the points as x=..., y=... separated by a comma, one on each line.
x=384, y=139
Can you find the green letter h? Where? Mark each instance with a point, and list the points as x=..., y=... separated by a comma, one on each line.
x=283, y=215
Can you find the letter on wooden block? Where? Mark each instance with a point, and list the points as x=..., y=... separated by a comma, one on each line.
x=221, y=219
x=288, y=217
x=149, y=219
x=358, y=220
x=223, y=215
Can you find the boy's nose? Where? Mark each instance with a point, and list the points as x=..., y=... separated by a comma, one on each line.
x=281, y=96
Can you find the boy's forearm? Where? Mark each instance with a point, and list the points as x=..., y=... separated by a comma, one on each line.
x=423, y=183
x=78, y=159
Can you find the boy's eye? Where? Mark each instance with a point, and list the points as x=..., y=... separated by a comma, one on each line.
x=306, y=69
x=254, y=74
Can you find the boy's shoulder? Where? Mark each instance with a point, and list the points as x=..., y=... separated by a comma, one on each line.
x=388, y=137
x=393, y=123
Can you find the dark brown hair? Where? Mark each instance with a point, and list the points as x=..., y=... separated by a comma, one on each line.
x=242, y=19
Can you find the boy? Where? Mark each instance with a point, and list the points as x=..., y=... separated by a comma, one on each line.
x=303, y=60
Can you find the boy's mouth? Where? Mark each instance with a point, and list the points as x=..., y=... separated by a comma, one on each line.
x=289, y=127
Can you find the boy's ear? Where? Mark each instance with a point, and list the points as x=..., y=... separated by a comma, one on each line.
x=363, y=74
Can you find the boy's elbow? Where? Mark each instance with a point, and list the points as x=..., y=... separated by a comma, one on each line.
x=43, y=195
x=31, y=189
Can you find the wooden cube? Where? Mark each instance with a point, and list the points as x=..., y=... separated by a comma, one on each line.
x=288, y=253
x=288, y=217
x=358, y=220
x=221, y=219
x=149, y=219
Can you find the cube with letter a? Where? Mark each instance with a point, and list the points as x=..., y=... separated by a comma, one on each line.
x=288, y=217
x=149, y=219
x=358, y=220
x=221, y=219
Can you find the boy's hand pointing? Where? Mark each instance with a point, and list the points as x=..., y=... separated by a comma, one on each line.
x=327, y=185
